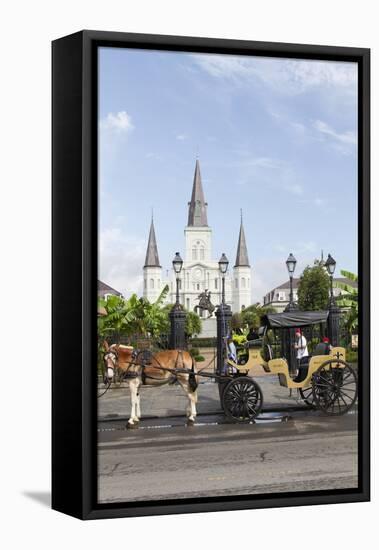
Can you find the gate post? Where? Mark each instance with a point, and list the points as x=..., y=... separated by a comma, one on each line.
x=334, y=324
x=177, y=333
x=288, y=342
x=223, y=316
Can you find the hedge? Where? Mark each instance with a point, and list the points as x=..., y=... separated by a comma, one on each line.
x=203, y=342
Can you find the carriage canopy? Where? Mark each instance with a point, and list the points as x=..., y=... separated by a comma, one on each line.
x=295, y=319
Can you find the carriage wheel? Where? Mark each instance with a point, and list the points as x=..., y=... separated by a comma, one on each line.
x=307, y=396
x=335, y=387
x=242, y=399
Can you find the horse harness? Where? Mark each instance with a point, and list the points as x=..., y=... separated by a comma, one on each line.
x=142, y=359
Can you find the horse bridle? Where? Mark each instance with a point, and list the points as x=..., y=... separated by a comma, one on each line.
x=113, y=355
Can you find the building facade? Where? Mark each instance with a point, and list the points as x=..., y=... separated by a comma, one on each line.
x=200, y=270
x=279, y=296
x=104, y=290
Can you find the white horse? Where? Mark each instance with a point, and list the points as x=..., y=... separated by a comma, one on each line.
x=164, y=367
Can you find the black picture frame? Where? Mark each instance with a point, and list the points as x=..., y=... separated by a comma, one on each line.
x=74, y=270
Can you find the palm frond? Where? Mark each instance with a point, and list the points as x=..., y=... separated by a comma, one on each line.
x=349, y=275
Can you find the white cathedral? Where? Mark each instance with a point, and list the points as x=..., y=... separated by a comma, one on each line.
x=200, y=270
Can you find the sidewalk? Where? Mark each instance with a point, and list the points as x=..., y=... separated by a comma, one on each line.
x=171, y=401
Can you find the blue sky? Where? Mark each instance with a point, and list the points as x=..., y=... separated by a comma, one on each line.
x=275, y=137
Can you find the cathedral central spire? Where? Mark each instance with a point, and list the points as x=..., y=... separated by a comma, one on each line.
x=197, y=213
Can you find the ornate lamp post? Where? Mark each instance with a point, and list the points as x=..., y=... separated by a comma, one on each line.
x=330, y=265
x=223, y=315
x=177, y=315
x=334, y=310
x=223, y=264
x=291, y=266
x=177, y=264
x=288, y=340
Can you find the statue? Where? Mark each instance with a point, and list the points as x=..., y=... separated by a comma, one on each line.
x=205, y=303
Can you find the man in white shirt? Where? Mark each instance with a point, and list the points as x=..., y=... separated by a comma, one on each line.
x=300, y=345
x=301, y=355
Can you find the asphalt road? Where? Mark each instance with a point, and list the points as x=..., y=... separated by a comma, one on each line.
x=165, y=459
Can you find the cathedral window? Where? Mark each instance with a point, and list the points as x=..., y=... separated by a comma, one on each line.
x=243, y=282
x=236, y=283
x=197, y=286
x=201, y=253
x=194, y=253
x=151, y=283
x=145, y=284
x=216, y=283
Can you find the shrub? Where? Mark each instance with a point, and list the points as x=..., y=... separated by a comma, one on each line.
x=203, y=342
x=199, y=358
x=351, y=356
x=194, y=351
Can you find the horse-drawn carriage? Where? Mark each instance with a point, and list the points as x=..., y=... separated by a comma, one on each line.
x=327, y=382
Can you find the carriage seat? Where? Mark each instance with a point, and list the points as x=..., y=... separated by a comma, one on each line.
x=320, y=349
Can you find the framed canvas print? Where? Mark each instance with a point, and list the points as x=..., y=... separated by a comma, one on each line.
x=211, y=307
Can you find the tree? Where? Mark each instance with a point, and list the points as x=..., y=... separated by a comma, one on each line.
x=252, y=315
x=236, y=322
x=313, y=289
x=349, y=299
x=132, y=316
x=193, y=322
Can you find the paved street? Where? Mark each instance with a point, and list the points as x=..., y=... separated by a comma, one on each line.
x=171, y=400
x=165, y=459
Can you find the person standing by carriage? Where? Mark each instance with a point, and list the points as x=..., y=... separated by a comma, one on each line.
x=301, y=348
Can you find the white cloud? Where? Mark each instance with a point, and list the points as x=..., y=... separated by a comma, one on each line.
x=181, y=137
x=294, y=188
x=287, y=76
x=268, y=273
x=121, y=258
x=349, y=137
x=120, y=122
x=249, y=161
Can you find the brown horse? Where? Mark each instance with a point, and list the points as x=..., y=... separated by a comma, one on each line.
x=163, y=367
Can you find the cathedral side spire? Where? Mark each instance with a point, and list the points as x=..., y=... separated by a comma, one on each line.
x=242, y=257
x=197, y=213
x=152, y=258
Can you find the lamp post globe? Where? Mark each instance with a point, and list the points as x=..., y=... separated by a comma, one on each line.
x=177, y=263
x=330, y=265
x=291, y=264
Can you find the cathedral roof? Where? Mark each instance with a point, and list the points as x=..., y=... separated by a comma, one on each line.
x=197, y=213
x=152, y=258
x=242, y=257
